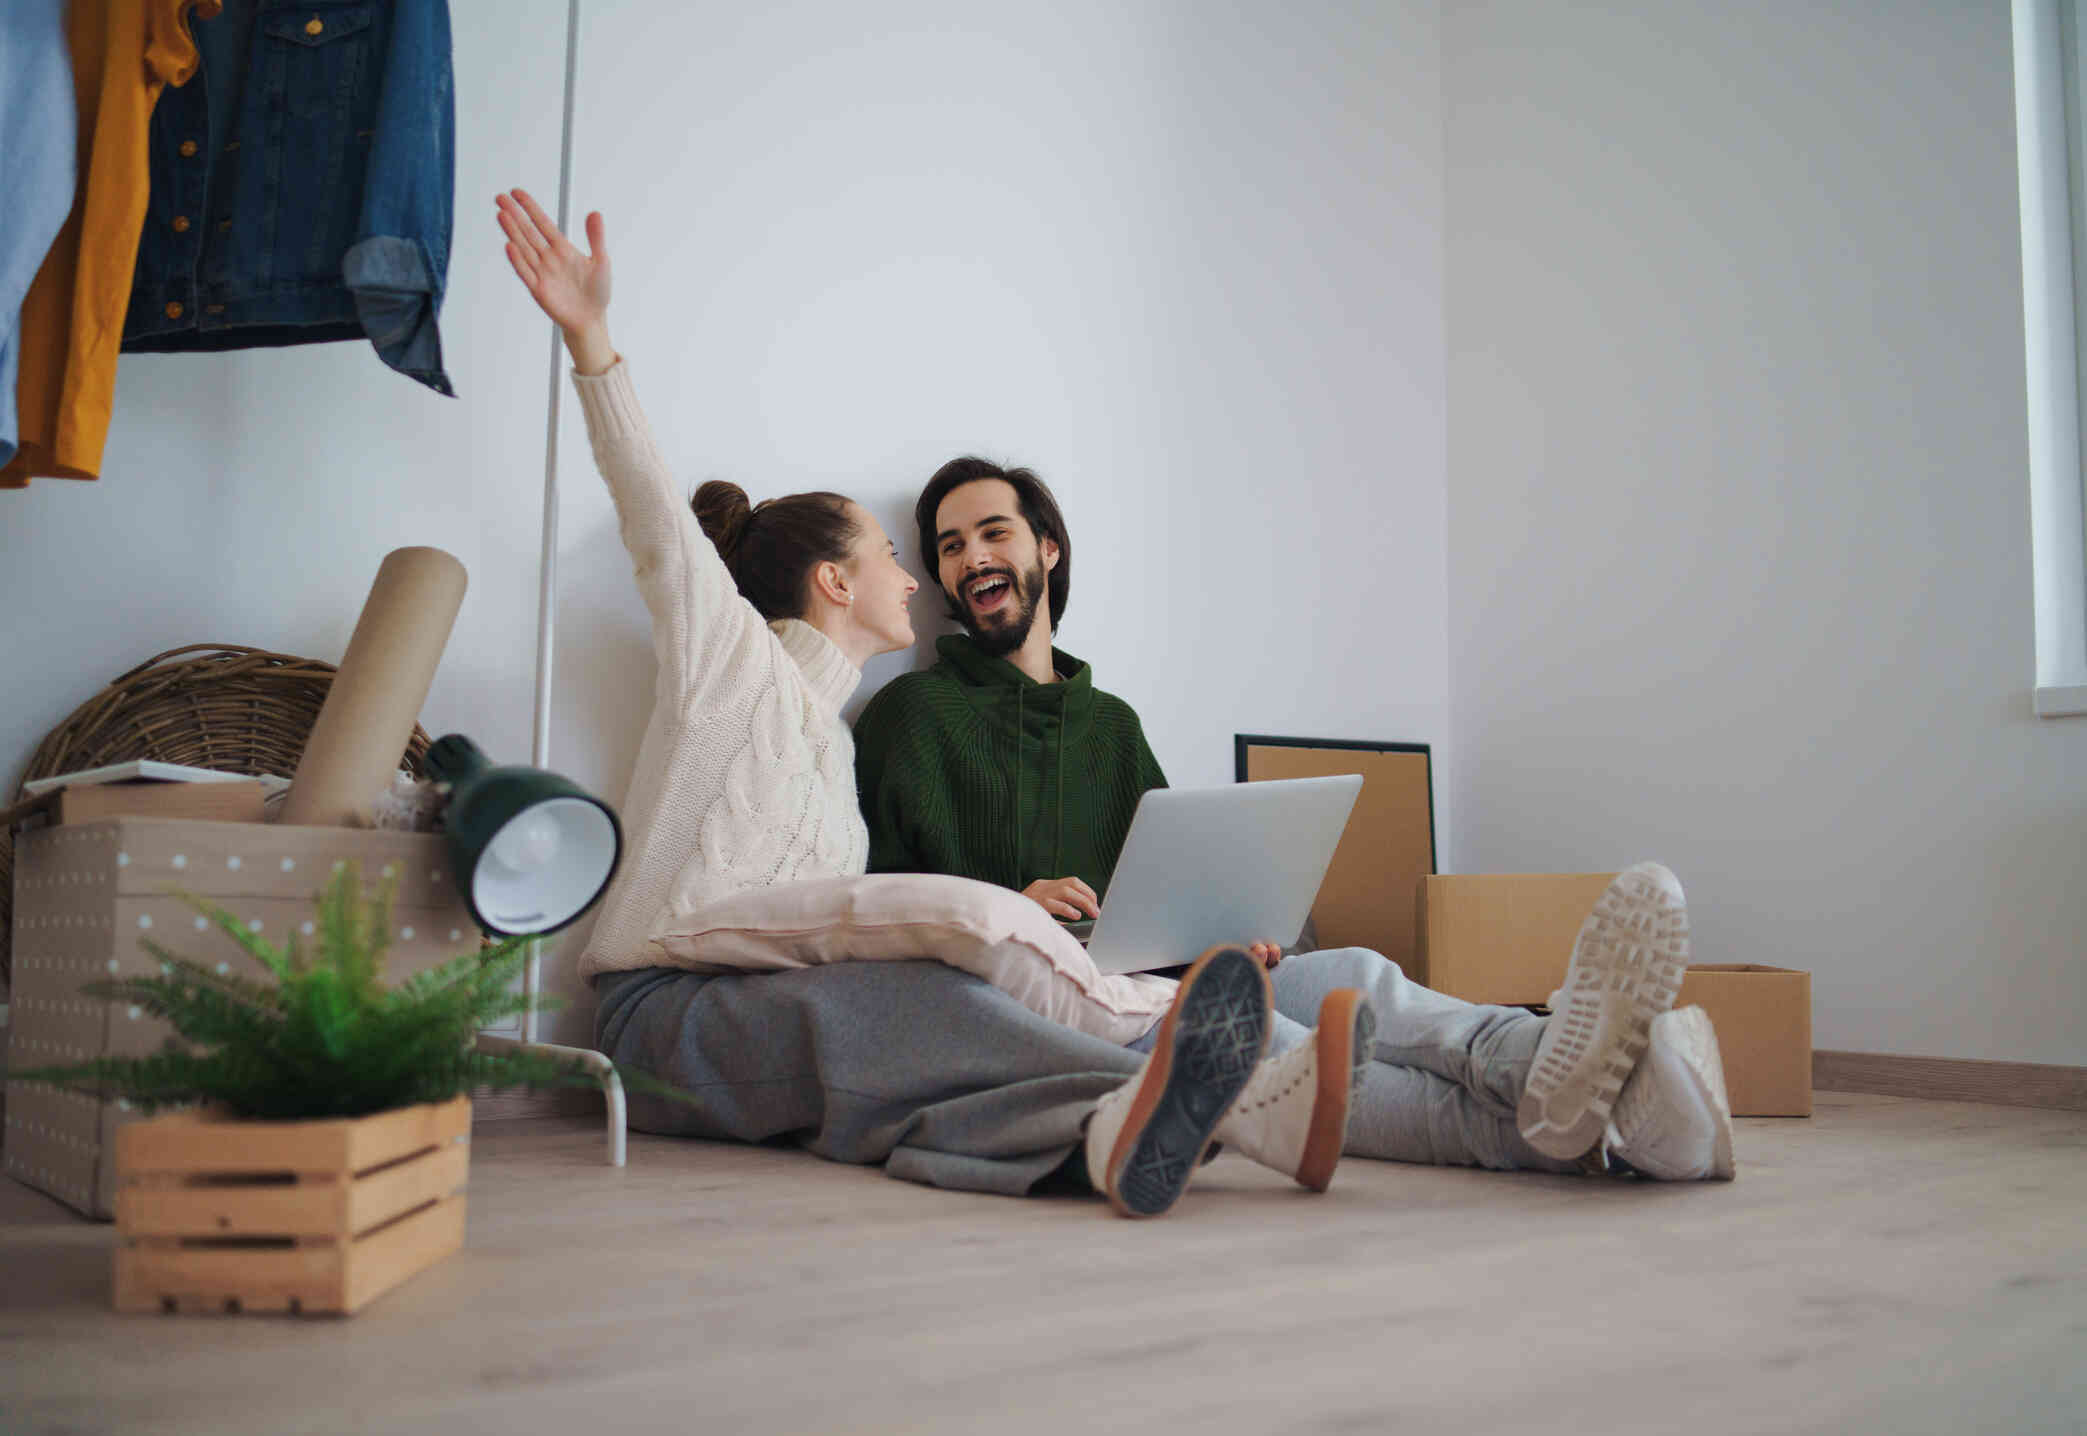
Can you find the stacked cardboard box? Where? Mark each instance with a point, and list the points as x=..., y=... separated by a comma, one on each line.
x=86, y=893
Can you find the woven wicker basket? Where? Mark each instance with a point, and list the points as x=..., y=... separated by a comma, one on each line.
x=239, y=710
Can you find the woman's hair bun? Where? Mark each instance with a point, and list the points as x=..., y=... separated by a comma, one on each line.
x=722, y=509
x=771, y=547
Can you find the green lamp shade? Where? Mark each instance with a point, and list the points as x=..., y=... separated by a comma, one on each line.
x=532, y=851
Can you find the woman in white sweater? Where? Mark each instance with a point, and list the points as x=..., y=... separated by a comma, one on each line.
x=762, y=618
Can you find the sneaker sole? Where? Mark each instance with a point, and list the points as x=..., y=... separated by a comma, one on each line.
x=1347, y=1028
x=1626, y=970
x=1209, y=1043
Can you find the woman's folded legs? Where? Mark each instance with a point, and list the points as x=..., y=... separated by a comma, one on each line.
x=946, y=1080
x=934, y=1073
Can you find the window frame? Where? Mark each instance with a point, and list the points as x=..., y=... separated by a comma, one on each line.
x=2051, y=149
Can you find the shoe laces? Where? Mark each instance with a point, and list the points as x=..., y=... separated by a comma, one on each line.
x=1269, y=1099
x=1604, y=1159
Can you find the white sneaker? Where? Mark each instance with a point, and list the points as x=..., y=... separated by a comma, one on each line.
x=1674, y=1120
x=1293, y=1115
x=1147, y=1137
x=1626, y=968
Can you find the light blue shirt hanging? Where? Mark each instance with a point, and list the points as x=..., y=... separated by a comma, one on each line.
x=39, y=126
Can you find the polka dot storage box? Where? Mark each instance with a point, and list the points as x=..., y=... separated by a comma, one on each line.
x=84, y=895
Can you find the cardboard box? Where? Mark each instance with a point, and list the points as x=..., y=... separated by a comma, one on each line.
x=1763, y=1017
x=1508, y=937
x=1367, y=898
x=85, y=894
x=236, y=802
x=1502, y=937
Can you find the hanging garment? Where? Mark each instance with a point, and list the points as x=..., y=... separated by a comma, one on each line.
x=124, y=52
x=37, y=131
x=302, y=190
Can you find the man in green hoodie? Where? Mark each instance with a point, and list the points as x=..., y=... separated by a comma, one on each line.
x=1002, y=762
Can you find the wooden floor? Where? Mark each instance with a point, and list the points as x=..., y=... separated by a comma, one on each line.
x=1890, y=1266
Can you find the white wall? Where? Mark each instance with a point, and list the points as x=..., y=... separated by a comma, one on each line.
x=1183, y=259
x=1739, y=546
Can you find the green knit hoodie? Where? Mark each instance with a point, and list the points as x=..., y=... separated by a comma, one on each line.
x=972, y=767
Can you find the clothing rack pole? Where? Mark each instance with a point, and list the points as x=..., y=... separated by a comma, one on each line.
x=600, y=1068
x=547, y=575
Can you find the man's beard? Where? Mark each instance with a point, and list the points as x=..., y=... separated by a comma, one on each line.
x=1007, y=629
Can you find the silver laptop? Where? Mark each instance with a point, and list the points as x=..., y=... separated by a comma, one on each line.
x=1211, y=867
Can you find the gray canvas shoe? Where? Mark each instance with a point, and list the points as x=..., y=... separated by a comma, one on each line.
x=1147, y=1137
x=1626, y=969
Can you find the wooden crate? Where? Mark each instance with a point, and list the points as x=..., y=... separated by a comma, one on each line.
x=222, y=1215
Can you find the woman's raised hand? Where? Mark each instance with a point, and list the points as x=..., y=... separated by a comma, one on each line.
x=569, y=285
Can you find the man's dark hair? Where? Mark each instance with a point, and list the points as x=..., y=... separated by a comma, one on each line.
x=1032, y=496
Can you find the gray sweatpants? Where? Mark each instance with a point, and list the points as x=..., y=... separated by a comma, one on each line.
x=946, y=1080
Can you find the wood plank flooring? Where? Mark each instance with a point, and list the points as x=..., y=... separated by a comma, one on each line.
x=1888, y=1265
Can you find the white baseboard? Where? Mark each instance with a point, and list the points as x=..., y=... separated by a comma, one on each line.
x=2052, y=702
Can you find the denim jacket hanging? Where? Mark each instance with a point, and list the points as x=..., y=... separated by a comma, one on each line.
x=303, y=185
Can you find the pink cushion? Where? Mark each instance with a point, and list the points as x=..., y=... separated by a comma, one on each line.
x=990, y=932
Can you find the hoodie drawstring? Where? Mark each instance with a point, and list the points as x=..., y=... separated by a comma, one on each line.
x=1021, y=768
x=1021, y=749
x=1059, y=840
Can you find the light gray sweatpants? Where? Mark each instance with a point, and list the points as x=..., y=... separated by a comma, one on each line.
x=946, y=1080
x=1445, y=1074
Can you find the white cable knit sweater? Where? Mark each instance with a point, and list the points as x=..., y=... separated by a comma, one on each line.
x=746, y=777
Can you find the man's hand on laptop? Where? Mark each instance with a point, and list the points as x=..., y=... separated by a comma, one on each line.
x=1068, y=898
x=1268, y=954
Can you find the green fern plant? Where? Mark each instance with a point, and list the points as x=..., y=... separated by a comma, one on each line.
x=328, y=1037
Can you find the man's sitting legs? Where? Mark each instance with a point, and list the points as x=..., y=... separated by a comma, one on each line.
x=1452, y=1081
